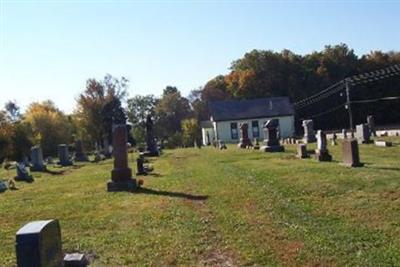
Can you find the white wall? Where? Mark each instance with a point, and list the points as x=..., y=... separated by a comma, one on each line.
x=204, y=132
x=223, y=128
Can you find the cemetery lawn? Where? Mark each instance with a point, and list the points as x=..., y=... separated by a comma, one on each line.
x=205, y=207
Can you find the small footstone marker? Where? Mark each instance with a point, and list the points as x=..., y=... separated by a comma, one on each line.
x=350, y=154
x=38, y=244
x=75, y=260
x=121, y=175
x=383, y=143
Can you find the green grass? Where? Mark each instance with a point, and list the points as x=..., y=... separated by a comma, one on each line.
x=206, y=207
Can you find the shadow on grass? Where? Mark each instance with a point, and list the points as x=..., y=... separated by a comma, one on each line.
x=54, y=172
x=154, y=174
x=149, y=191
x=383, y=168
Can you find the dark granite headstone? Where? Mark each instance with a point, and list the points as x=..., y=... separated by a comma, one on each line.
x=75, y=260
x=38, y=244
x=80, y=154
x=22, y=173
x=140, y=166
x=152, y=149
x=371, y=125
x=309, y=134
x=322, y=153
x=121, y=175
x=63, y=155
x=3, y=186
x=37, y=159
x=350, y=154
x=271, y=137
x=302, y=151
x=244, y=136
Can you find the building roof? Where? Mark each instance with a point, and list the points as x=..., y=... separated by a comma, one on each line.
x=249, y=109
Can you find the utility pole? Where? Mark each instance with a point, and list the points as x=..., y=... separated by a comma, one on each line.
x=348, y=104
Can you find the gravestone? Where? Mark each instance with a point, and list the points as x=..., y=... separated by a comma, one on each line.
x=38, y=243
x=309, y=134
x=383, y=143
x=140, y=166
x=80, y=155
x=244, y=136
x=3, y=186
x=221, y=145
x=63, y=155
x=152, y=149
x=344, y=133
x=22, y=173
x=37, y=159
x=371, y=125
x=302, y=151
x=121, y=175
x=271, y=139
x=334, y=139
x=350, y=154
x=75, y=260
x=322, y=153
x=363, y=134
x=256, y=144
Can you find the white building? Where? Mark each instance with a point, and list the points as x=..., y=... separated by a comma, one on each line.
x=225, y=117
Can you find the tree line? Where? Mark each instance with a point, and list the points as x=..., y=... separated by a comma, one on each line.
x=259, y=73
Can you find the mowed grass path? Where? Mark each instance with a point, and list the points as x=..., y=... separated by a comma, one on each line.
x=205, y=207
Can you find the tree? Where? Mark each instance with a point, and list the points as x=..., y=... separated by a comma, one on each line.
x=190, y=132
x=13, y=111
x=170, y=110
x=49, y=125
x=100, y=105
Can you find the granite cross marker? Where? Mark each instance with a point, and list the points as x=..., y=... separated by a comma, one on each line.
x=271, y=139
x=302, y=151
x=322, y=153
x=63, y=155
x=121, y=175
x=80, y=155
x=244, y=139
x=350, y=155
x=37, y=159
x=363, y=134
x=152, y=149
x=38, y=244
x=309, y=134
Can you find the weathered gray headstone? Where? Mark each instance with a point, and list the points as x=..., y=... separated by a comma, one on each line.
x=37, y=159
x=63, y=155
x=38, y=244
x=309, y=134
x=344, y=133
x=350, y=154
x=244, y=136
x=121, y=175
x=271, y=137
x=302, y=151
x=322, y=153
x=80, y=154
x=22, y=173
x=363, y=134
x=371, y=125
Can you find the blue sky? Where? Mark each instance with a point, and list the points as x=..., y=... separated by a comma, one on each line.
x=49, y=48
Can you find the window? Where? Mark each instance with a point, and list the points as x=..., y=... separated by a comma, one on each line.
x=234, y=130
x=256, y=129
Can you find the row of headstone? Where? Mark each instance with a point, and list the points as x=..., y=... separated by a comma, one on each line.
x=350, y=153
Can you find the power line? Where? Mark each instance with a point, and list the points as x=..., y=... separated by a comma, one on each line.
x=375, y=100
x=325, y=112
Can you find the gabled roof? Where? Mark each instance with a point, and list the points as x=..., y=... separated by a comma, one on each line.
x=248, y=109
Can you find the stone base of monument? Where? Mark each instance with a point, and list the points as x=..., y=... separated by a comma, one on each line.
x=75, y=260
x=125, y=185
x=34, y=168
x=277, y=148
x=322, y=155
